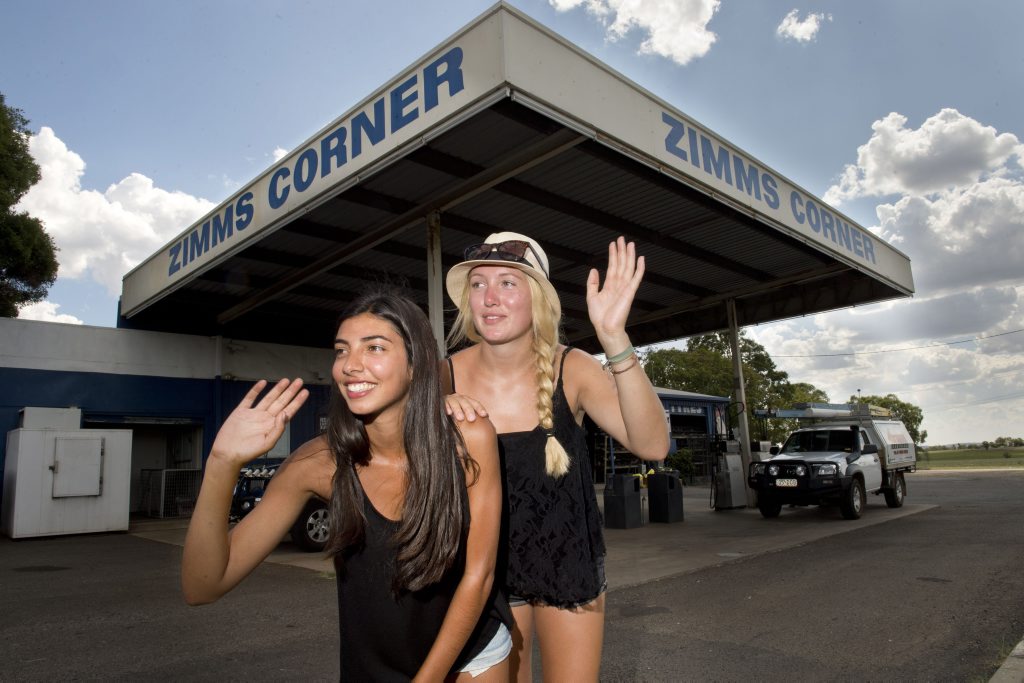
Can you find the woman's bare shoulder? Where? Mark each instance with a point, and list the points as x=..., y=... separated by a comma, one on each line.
x=313, y=456
x=477, y=433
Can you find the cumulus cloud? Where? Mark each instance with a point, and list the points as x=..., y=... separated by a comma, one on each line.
x=954, y=203
x=802, y=31
x=46, y=311
x=676, y=29
x=949, y=150
x=964, y=237
x=279, y=153
x=102, y=235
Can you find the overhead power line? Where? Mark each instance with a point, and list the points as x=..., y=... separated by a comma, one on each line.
x=906, y=348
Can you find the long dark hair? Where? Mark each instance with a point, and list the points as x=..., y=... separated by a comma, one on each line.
x=434, y=514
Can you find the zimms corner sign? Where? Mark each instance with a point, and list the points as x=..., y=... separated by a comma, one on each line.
x=310, y=170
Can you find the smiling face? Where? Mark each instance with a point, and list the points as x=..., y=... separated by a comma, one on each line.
x=371, y=366
x=500, y=301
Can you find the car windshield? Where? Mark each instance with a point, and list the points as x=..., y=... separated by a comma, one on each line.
x=819, y=441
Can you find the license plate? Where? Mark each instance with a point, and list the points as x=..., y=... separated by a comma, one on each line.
x=788, y=483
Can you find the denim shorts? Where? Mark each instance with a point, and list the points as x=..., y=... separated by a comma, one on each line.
x=493, y=653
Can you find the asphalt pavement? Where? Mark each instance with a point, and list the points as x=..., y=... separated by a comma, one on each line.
x=108, y=606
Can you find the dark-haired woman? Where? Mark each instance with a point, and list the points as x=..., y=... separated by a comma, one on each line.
x=415, y=505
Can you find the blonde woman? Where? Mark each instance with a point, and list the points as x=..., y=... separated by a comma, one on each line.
x=536, y=391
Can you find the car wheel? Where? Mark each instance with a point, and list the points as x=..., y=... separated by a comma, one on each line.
x=894, y=496
x=311, y=529
x=853, y=501
x=769, y=508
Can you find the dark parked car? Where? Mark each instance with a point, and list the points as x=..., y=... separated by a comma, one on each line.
x=309, y=531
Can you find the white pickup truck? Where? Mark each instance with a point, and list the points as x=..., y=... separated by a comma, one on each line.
x=842, y=453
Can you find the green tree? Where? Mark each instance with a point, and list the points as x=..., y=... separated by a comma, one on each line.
x=797, y=392
x=700, y=371
x=28, y=258
x=706, y=367
x=908, y=413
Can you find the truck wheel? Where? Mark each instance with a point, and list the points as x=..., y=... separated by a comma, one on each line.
x=311, y=528
x=769, y=508
x=853, y=500
x=894, y=496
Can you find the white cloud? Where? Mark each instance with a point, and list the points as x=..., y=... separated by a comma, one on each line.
x=949, y=150
x=47, y=312
x=102, y=235
x=802, y=31
x=676, y=29
x=963, y=237
x=279, y=153
x=956, y=207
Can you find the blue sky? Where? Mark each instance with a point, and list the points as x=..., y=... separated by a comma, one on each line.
x=906, y=114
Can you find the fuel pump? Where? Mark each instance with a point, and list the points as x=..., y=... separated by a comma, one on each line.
x=728, y=482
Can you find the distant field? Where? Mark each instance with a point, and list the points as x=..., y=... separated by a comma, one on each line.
x=971, y=457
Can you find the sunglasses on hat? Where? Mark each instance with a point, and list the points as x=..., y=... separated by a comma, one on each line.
x=509, y=250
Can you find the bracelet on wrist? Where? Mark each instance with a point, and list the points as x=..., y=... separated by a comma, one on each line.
x=628, y=367
x=621, y=356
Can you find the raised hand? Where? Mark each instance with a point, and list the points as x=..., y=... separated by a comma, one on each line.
x=609, y=305
x=254, y=427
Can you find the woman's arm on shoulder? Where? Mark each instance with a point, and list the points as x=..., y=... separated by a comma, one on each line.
x=459, y=406
x=624, y=405
x=485, y=502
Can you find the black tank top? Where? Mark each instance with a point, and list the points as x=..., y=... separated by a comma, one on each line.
x=552, y=547
x=386, y=639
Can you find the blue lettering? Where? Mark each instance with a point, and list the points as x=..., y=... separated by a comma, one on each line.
x=795, y=199
x=718, y=164
x=771, y=190
x=433, y=78
x=691, y=135
x=275, y=198
x=244, y=211
x=675, y=134
x=199, y=242
x=374, y=129
x=827, y=228
x=869, y=249
x=184, y=252
x=174, y=266
x=333, y=147
x=855, y=237
x=813, y=217
x=399, y=102
x=222, y=229
x=305, y=170
x=746, y=177
x=843, y=234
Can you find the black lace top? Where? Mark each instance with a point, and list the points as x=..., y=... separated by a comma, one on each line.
x=552, y=528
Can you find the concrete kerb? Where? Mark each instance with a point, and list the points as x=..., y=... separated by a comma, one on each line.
x=1012, y=670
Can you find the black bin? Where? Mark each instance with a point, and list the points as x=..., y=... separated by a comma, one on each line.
x=665, y=496
x=622, y=502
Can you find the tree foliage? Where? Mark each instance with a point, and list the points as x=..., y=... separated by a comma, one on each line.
x=28, y=259
x=705, y=367
x=908, y=413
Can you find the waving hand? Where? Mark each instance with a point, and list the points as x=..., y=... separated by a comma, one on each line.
x=609, y=305
x=254, y=427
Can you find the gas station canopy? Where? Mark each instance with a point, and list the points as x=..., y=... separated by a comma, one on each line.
x=508, y=127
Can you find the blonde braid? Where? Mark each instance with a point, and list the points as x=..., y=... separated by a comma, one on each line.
x=545, y=342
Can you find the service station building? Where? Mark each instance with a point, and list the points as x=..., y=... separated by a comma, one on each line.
x=503, y=127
